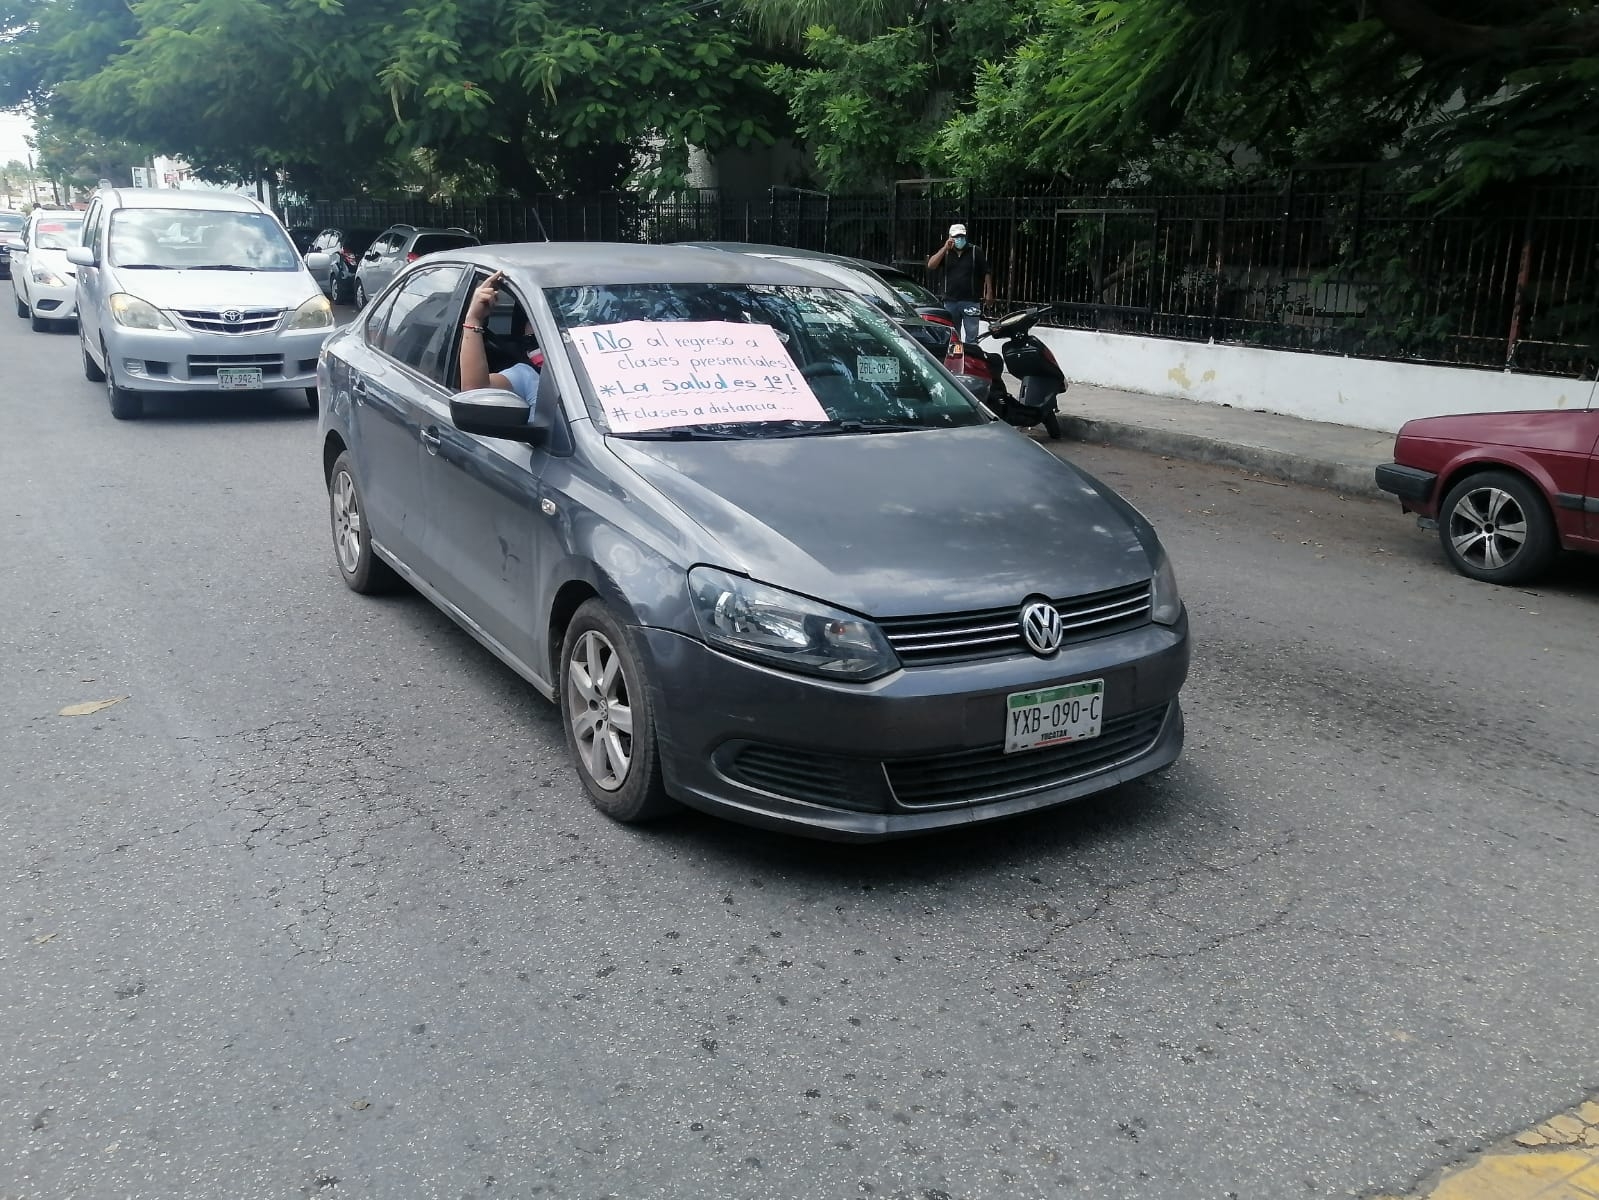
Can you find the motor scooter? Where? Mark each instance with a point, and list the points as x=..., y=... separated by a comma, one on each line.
x=1024, y=356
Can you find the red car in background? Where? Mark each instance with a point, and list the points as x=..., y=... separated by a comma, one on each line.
x=1505, y=491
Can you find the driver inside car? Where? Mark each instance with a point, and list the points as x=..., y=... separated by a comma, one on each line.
x=521, y=377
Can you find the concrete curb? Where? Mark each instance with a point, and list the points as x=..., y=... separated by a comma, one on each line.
x=1350, y=479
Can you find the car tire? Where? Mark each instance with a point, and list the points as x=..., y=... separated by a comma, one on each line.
x=91, y=372
x=363, y=571
x=333, y=288
x=22, y=309
x=1052, y=426
x=313, y=399
x=602, y=676
x=125, y=405
x=360, y=294
x=38, y=324
x=1496, y=527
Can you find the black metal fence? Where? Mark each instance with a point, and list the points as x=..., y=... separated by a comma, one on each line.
x=1334, y=261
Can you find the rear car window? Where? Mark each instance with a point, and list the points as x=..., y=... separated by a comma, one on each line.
x=431, y=243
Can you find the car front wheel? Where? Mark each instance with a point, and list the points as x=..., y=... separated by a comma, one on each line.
x=609, y=718
x=22, y=309
x=360, y=294
x=1495, y=527
x=125, y=405
x=363, y=571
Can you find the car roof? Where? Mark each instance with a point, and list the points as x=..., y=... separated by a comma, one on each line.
x=849, y=260
x=564, y=264
x=199, y=198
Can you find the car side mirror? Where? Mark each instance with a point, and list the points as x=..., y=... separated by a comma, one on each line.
x=318, y=261
x=81, y=256
x=493, y=412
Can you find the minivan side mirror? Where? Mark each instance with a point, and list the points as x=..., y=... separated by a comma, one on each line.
x=81, y=256
x=494, y=412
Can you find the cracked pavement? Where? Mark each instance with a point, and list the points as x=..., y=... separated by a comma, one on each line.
x=319, y=910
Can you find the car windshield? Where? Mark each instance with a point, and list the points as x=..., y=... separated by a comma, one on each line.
x=10, y=223
x=909, y=290
x=199, y=239
x=56, y=234
x=749, y=360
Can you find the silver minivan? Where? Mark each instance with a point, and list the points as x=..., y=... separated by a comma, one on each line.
x=194, y=291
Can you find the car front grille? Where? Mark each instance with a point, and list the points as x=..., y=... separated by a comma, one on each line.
x=989, y=774
x=997, y=632
x=203, y=366
x=802, y=774
x=252, y=320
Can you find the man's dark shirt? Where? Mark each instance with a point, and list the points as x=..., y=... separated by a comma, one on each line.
x=963, y=274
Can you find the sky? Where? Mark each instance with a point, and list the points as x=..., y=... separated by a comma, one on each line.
x=12, y=129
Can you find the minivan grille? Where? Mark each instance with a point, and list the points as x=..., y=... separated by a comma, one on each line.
x=251, y=320
x=202, y=366
x=997, y=632
x=982, y=776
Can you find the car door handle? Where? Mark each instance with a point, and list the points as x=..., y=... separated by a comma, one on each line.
x=358, y=390
x=430, y=439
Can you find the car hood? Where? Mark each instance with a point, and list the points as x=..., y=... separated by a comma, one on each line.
x=901, y=524
x=219, y=289
x=52, y=260
x=1566, y=430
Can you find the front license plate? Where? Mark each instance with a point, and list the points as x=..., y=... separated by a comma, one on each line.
x=235, y=379
x=1054, y=716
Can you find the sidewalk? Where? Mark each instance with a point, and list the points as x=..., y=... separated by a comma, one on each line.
x=1340, y=457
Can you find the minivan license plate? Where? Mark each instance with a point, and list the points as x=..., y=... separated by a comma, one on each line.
x=232, y=379
x=1054, y=716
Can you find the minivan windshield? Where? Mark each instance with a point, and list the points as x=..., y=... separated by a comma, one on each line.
x=198, y=239
x=53, y=233
x=749, y=360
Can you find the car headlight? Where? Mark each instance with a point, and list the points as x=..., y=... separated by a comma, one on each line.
x=315, y=313
x=136, y=313
x=48, y=278
x=1166, y=606
x=786, y=630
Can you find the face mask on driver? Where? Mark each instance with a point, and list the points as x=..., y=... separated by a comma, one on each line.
x=960, y=243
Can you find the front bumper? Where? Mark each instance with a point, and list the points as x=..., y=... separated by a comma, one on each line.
x=175, y=360
x=1412, y=485
x=53, y=303
x=917, y=751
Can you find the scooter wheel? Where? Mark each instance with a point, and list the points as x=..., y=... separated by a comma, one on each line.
x=1052, y=426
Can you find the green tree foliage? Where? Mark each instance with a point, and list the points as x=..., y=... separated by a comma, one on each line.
x=526, y=94
x=1482, y=90
x=877, y=79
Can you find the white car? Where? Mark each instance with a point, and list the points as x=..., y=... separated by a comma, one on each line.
x=44, y=282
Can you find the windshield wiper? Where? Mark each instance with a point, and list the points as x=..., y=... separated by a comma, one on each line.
x=144, y=267
x=837, y=427
x=224, y=267
x=674, y=435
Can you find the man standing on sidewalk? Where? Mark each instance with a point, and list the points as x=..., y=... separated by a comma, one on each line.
x=965, y=275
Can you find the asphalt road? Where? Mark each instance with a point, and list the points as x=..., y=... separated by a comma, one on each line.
x=318, y=910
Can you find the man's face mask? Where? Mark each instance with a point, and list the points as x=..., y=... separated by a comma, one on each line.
x=960, y=242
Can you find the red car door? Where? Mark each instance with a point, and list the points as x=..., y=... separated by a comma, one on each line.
x=1590, y=494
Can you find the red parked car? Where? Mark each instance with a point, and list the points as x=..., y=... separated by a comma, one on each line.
x=1505, y=491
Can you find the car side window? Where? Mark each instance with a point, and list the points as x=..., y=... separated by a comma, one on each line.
x=91, y=228
x=420, y=325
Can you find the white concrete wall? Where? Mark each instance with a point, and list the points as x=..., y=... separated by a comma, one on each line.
x=1344, y=391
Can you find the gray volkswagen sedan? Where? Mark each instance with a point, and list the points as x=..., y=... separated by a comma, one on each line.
x=766, y=556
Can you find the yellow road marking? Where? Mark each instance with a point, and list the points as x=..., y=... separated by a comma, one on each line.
x=1557, y=1160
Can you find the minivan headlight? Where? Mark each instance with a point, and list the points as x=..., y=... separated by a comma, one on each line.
x=315, y=313
x=136, y=313
x=1166, y=606
x=778, y=627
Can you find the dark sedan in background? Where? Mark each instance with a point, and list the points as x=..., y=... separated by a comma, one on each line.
x=1506, y=491
x=766, y=555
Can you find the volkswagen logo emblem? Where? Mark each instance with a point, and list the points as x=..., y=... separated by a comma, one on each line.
x=233, y=316
x=1041, y=627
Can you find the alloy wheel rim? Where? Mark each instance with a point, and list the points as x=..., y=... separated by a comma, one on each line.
x=346, y=523
x=1487, y=528
x=599, y=710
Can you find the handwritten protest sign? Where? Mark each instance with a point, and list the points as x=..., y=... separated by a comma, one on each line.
x=657, y=374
